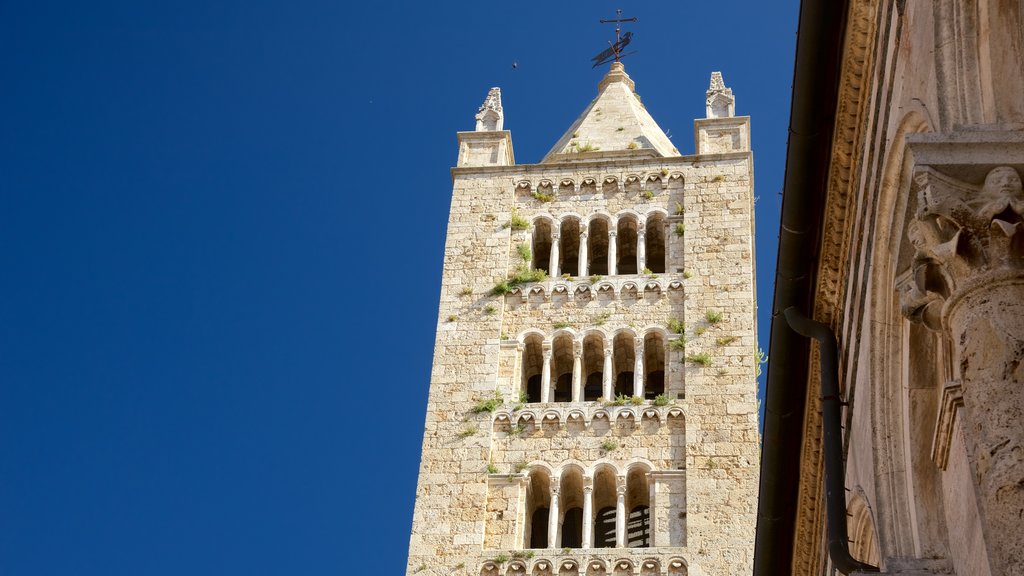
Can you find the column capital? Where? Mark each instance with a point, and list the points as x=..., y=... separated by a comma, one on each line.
x=962, y=234
x=620, y=490
x=641, y=232
x=583, y=232
x=607, y=352
x=638, y=341
x=613, y=233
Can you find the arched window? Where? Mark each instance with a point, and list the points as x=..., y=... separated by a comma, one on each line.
x=624, y=360
x=541, y=244
x=597, y=247
x=626, y=245
x=571, y=504
x=654, y=365
x=593, y=367
x=533, y=366
x=638, y=503
x=604, y=507
x=538, y=503
x=561, y=372
x=569, y=251
x=654, y=241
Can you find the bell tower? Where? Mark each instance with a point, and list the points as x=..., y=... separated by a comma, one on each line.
x=592, y=403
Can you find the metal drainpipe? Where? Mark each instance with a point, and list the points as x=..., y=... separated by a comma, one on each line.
x=831, y=406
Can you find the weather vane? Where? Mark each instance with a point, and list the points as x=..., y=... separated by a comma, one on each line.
x=614, y=51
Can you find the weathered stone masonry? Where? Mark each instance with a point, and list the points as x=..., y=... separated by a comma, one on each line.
x=602, y=419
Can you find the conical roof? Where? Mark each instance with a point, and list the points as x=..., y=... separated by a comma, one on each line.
x=615, y=124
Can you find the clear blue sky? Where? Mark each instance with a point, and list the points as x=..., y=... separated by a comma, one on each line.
x=221, y=230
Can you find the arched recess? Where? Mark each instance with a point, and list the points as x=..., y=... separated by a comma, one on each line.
x=571, y=506
x=904, y=527
x=654, y=364
x=861, y=530
x=626, y=238
x=542, y=238
x=597, y=246
x=604, y=507
x=638, y=507
x=593, y=366
x=569, y=246
x=533, y=366
x=623, y=362
x=561, y=371
x=538, y=504
x=654, y=240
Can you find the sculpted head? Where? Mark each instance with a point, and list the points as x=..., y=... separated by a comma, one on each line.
x=1002, y=181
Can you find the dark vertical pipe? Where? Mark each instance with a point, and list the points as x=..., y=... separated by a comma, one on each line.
x=831, y=423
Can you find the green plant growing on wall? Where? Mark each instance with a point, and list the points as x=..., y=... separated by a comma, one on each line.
x=725, y=340
x=541, y=196
x=520, y=466
x=561, y=324
x=490, y=309
x=517, y=222
x=600, y=319
x=524, y=252
x=631, y=146
x=491, y=468
x=680, y=229
x=420, y=568
x=718, y=178
x=662, y=400
x=664, y=171
x=523, y=554
x=699, y=330
x=609, y=445
x=523, y=275
x=701, y=359
x=452, y=318
x=501, y=558
x=760, y=358
x=679, y=209
x=489, y=404
x=595, y=278
x=468, y=431
x=516, y=430
x=687, y=275
x=466, y=291
x=649, y=273
x=713, y=316
x=676, y=326
x=647, y=195
x=678, y=344
x=588, y=147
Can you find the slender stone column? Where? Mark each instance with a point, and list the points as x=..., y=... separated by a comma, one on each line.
x=577, y=370
x=553, y=516
x=612, y=253
x=979, y=268
x=588, y=512
x=638, y=366
x=583, y=251
x=668, y=247
x=553, y=266
x=545, y=375
x=606, y=376
x=641, y=249
x=651, y=508
x=620, y=513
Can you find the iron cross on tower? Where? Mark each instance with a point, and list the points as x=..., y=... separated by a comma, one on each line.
x=614, y=51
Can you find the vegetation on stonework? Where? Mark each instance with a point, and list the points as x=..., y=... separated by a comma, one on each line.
x=664, y=171
x=726, y=340
x=524, y=252
x=713, y=316
x=647, y=194
x=631, y=146
x=588, y=147
x=468, y=431
x=759, y=358
x=687, y=275
x=466, y=291
x=679, y=209
x=523, y=275
x=501, y=558
x=594, y=279
x=520, y=466
x=561, y=324
x=491, y=468
x=517, y=222
x=516, y=430
x=718, y=178
x=649, y=273
x=676, y=326
x=678, y=344
x=490, y=309
x=609, y=445
x=699, y=330
x=680, y=229
x=452, y=318
x=541, y=196
x=488, y=405
x=601, y=319
x=662, y=400
x=702, y=359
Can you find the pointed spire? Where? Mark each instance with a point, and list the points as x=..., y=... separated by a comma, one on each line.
x=720, y=101
x=615, y=124
x=490, y=117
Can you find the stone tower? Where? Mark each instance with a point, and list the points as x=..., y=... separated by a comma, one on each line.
x=592, y=404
